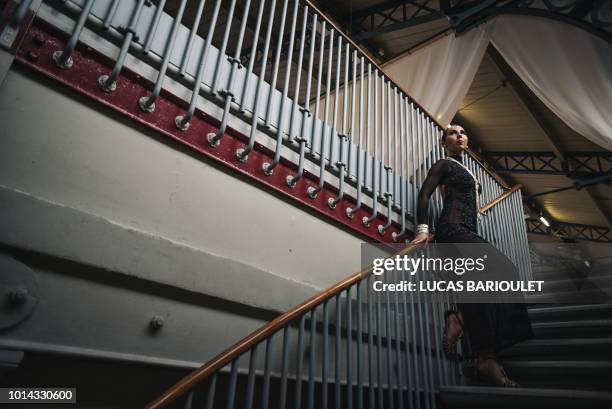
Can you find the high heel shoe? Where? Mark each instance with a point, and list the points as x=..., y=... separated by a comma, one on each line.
x=449, y=341
x=490, y=371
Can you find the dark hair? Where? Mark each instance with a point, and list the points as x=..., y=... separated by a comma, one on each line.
x=445, y=132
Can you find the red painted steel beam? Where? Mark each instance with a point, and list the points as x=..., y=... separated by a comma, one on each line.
x=35, y=52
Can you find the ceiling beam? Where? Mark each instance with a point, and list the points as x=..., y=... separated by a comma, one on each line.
x=580, y=165
x=571, y=231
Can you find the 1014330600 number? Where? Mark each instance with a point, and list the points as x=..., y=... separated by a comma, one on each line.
x=35, y=395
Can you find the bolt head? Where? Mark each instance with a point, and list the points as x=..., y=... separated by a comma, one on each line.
x=312, y=192
x=291, y=181
x=267, y=168
x=104, y=85
x=181, y=125
x=240, y=155
x=365, y=221
x=18, y=296
x=156, y=323
x=212, y=139
x=143, y=103
x=381, y=230
x=58, y=60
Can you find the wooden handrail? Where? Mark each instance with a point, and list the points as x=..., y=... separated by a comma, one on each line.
x=254, y=338
x=484, y=209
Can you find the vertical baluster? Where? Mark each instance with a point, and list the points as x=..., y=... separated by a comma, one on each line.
x=318, y=91
x=210, y=395
x=350, y=211
x=110, y=15
x=236, y=59
x=410, y=356
x=265, y=394
x=313, y=191
x=268, y=167
x=343, y=134
x=367, y=220
x=108, y=82
x=284, y=367
x=153, y=29
x=147, y=104
x=389, y=342
x=243, y=153
x=63, y=58
x=424, y=347
x=413, y=149
x=349, y=349
x=390, y=162
x=325, y=355
x=429, y=348
x=231, y=393
x=188, y=401
x=299, y=361
x=215, y=138
x=337, y=352
x=251, y=379
x=379, y=357
x=398, y=346
x=20, y=12
x=301, y=138
x=417, y=341
x=192, y=34
x=182, y=122
x=403, y=135
x=253, y=53
x=371, y=393
x=311, y=359
x=358, y=360
x=334, y=130
x=279, y=48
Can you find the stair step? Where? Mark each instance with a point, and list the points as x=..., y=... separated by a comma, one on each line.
x=562, y=348
x=585, y=375
x=568, y=312
x=560, y=274
x=473, y=397
x=596, y=295
x=579, y=284
x=572, y=329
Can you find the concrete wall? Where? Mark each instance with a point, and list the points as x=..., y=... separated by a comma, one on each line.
x=100, y=208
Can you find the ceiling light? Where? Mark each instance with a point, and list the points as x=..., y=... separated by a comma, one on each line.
x=543, y=220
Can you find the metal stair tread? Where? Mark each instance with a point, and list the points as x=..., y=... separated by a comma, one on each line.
x=570, y=308
x=573, y=324
x=533, y=392
x=510, y=363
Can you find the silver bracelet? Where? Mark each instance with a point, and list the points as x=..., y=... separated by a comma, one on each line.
x=422, y=228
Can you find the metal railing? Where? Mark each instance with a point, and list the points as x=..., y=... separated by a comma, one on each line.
x=386, y=350
x=284, y=69
x=296, y=79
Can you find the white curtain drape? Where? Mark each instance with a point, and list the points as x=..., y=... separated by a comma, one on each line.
x=569, y=69
x=439, y=75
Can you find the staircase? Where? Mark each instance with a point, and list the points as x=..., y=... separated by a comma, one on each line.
x=568, y=363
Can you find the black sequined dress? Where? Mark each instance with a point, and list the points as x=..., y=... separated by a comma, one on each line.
x=488, y=326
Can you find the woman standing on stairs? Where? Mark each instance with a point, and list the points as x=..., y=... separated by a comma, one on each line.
x=490, y=327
